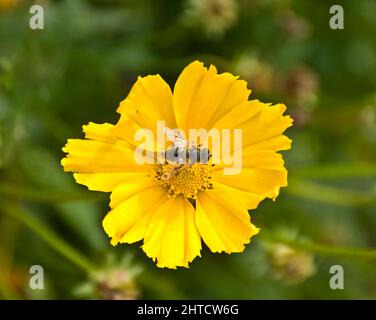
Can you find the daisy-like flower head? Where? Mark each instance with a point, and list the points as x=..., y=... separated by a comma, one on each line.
x=171, y=204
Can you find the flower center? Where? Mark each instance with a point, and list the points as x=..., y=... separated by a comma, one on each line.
x=185, y=179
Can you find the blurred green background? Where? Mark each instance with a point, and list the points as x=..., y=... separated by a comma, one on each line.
x=83, y=64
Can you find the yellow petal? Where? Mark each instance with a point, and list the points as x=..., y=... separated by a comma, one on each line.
x=248, y=200
x=277, y=143
x=237, y=93
x=100, y=132
x=98, y=155
x=262, y=125
x=172, y=237
x=267, y=124
x=135, y=183
x=261, y=176
x=254, y=180
x=239, y=114
x=264, y=159
x=127, y=222
x=185, y=90
x=223, y=225
x=90, y=156
x=125, y=130
x=108, y=181
x=201, y=96
x=149, y=100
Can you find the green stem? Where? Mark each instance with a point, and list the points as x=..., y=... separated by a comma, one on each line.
x=49, y=236
x=340, y=170
x=33, y=195
x=322, y=249
x=328, y=194
x=9, y=234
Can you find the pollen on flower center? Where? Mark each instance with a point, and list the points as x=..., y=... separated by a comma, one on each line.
x=185, y=179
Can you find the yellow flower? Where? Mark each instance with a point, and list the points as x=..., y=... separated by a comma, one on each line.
x=171, y=206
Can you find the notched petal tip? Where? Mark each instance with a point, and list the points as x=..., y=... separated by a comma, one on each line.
x=65, y=165
x=62, y=161
x=78, y=178
x=256, y=231
x=86, y=127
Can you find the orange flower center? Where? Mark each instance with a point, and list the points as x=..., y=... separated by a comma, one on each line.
x=184, y=179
